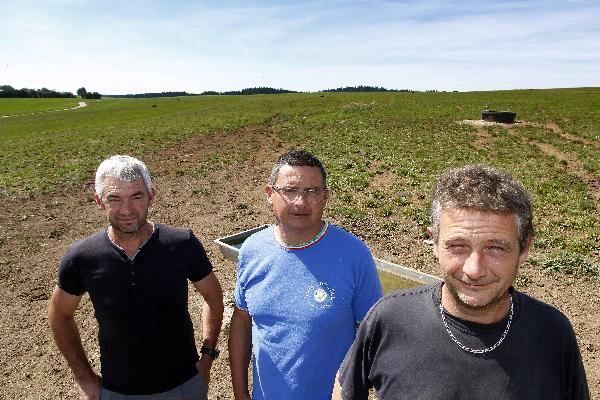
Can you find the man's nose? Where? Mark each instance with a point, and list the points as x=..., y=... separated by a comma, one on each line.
x=125, y=207
x=474, y=266
x=301, y=198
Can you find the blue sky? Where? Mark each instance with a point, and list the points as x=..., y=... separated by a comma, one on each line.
x=117, y=47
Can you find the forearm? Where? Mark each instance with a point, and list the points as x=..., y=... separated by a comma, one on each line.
x=337, y=389
x=68, y=341
x=240, y=351
x=212, y=317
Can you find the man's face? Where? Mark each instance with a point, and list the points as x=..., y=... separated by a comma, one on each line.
x=479, y=256
x=299, y=215
x=125, y=203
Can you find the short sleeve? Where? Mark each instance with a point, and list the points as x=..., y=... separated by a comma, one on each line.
x=69, y=274
x=200, y=266
x=239, y=291
x=575, y=381
x=368, y=288
x=355, y=369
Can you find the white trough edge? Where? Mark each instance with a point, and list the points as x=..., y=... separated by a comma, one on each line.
x=231, y=253
x=405, y=272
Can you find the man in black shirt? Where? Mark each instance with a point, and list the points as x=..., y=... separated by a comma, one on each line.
x=136, y=274
x=472, y=336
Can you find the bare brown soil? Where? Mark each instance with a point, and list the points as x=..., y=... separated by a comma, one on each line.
x=35, y=232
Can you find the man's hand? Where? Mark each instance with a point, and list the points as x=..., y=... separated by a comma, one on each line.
x=203, y=366
x=90, y=390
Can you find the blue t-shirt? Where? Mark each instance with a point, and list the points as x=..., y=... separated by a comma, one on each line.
x=304, y=304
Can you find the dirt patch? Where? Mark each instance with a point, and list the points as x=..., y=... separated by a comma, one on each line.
x=214, y=196
x=483, y=138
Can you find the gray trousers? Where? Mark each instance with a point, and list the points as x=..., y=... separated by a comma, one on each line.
x=194, y=389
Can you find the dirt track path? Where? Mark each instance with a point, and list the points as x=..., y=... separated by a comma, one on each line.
x=81, y=104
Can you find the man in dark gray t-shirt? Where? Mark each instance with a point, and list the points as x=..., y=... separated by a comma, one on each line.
x=472, y=336
x=136, y=273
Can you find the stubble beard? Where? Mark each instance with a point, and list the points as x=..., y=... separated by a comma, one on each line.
x=130, y=228
x=470, y=306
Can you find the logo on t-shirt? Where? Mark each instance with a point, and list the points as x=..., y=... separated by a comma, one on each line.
x=320, y=295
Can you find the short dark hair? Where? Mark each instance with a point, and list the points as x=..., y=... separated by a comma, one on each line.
x=482, y=188
x=297, y=158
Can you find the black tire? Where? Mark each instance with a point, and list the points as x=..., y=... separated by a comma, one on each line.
x=505, y=117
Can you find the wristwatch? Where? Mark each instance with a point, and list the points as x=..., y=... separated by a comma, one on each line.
x=214, y=353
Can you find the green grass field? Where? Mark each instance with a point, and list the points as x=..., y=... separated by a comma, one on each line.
x=21, y=106
x=362, y=137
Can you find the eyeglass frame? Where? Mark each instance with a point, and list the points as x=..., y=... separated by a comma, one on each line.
x=301, y=192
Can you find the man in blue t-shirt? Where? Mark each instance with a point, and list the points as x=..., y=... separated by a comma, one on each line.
x=302, y=287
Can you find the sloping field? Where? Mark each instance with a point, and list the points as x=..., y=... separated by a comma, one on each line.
x=210, y=157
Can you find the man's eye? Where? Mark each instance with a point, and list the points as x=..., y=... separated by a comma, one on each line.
x=497, y=248
x=457, y=247
x=289, y=191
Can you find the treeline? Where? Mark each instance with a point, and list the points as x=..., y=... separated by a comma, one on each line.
x=144, y=95
x=362, y=88
x=7, y=91
x=249, y=91
x=243, y=92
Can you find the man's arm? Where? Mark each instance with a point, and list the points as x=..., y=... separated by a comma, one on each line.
x=240, y=351
x=66, y=335
x=212, y=316
x=337, y=389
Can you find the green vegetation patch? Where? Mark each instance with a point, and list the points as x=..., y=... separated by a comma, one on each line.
x=383, y=151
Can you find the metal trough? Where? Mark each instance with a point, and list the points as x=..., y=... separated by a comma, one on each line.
x=505, y=117
x=230, y=247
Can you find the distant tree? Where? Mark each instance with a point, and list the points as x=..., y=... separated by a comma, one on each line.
x=81, y=92
x=92, y=95
x=7, y=91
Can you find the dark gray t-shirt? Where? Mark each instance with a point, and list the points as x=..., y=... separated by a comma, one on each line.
x=145, y=332
x=404, y=351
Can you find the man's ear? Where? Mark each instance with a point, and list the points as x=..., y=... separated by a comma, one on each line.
x=98, y=201
x=151, y=196
x=525, y=252
x=434, y=245
x=269, y=192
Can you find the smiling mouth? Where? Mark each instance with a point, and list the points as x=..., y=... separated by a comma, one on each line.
x=474, y=284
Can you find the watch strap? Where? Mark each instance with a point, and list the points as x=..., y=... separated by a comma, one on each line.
x=214, y=353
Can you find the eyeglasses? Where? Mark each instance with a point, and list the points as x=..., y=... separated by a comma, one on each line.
x=313, y=195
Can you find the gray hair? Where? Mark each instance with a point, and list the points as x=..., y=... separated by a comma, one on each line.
x=297, y=158
x=124, y=168
x=482, y=188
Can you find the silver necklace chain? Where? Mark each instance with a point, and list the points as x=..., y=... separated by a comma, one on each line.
x=487, y=349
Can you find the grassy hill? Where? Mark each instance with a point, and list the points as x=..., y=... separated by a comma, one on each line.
x=403, y=139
